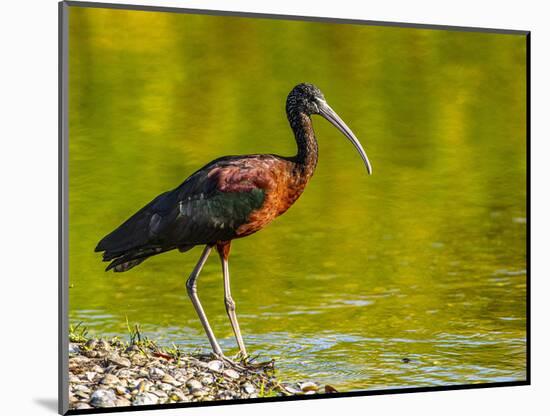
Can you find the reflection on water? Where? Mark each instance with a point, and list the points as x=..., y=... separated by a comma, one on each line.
x=414, y=276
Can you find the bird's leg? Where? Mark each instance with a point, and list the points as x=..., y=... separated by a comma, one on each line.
x=223, y=250
x=191, y=285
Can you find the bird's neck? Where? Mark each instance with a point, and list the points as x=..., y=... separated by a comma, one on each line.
x=306, y=158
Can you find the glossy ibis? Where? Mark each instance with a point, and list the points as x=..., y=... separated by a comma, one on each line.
x=229, y=198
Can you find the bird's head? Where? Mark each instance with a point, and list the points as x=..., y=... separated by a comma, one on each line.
x=307, y=98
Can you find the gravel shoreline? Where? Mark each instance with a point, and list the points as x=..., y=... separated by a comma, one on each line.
x=106, y=373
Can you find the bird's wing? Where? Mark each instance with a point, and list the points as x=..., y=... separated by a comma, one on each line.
x=137, y=231
x=208, y=207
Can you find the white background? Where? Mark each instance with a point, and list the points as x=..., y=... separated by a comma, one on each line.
x=28, y=204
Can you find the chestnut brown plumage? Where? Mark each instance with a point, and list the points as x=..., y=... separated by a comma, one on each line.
x=229, y=198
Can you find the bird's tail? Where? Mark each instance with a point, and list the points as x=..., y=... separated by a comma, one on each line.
x=122, y=262
x=122, y=265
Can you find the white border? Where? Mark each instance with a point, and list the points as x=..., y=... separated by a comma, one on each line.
x=28, y=171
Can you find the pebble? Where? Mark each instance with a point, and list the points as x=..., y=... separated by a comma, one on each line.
x=97, y=369
x=90, y=375
x=120, y=361
x=178, y=396
x=139, y=360
x=142, y=386
x=179, y=375
x=109, y=379
x=91, y=353
x=78, y=360
x=108, y=374
x=74, y=348
x=160, y=394
x=165, y=387
x=91, y=344
x=103, y=398
x=125, y=373
x=81, y=395
x=132, y=348
x=292, y=390
x=170, y=380
x=145, y=398
x=156, y=373
x=193, y=385
x=248, y=388
x=215, y=365
x=200, y=393
x=121, y=401
x=82, y=388
x=309, y=386
x=207, y=380
x=200, y=364
x=231, y=373
x=103, y=344
x=330, y=389
x=224, y=395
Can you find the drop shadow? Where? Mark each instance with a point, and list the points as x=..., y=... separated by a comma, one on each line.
x=47, y=403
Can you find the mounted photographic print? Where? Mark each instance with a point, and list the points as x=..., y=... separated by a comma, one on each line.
x=265, y=208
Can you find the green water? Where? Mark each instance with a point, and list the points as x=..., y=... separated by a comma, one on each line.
x=425, y=259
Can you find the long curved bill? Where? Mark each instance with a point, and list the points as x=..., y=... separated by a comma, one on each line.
x=330, y=115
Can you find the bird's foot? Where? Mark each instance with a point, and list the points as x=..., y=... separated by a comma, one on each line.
x=242, y=357
x=253, y=363
x=229, y=361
